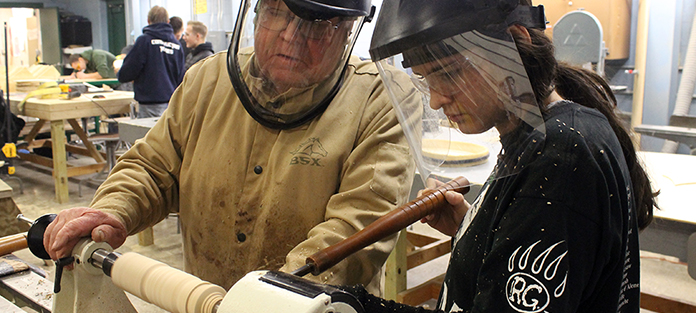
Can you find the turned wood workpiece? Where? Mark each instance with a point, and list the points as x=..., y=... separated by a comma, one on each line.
x=165, y=286
x=12, y=243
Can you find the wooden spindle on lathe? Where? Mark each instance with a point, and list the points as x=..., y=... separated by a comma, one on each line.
x=12, y=243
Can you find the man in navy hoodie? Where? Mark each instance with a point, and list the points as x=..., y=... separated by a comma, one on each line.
x=155, y=65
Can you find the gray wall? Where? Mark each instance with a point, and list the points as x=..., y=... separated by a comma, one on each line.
x=667, y=44
x=94, y=10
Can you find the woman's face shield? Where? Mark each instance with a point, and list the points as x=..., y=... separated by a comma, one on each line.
x=288, y=68
x=476, y=92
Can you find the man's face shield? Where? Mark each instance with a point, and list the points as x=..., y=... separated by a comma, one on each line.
x=286, y=69
x=479, y=105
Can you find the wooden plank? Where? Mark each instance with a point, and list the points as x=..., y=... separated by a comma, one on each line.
x=85, y=140
x=146, y=237
x=85, y=169
x=71, y=170
x=395, y=269
x=9, y=307
x=60, y=166
x=641, y=52
x=5, y=190
x=422, y=293
x=55, y=109
x=39, y=143
x=37, y=159
x=420, y=240
x=665, y=304
x=62, y=109
x=9, y=225
x=78, y=150
x=429, y=252
x=34, y=131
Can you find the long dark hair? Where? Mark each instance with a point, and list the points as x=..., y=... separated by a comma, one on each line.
x=588, y=89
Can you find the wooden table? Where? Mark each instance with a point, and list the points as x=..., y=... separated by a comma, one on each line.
x=27, y=289
x=59, y=111
x=675, y=176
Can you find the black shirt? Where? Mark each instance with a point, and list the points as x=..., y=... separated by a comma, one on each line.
x=557, y=233
x=560, y=235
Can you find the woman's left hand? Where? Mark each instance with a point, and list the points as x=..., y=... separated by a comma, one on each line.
x=447, y=219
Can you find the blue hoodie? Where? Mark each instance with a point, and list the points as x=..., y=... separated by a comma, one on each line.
x=155, y=64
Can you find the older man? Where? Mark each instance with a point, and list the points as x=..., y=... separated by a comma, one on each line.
x=282, y=149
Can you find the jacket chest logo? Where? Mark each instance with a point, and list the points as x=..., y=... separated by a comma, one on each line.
x=309, y=153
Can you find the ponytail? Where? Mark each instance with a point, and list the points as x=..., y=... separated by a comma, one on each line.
x=591, y=90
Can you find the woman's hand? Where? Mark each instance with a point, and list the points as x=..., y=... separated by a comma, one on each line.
x=447, y=219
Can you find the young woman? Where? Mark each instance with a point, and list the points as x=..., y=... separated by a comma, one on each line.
x=555, y=228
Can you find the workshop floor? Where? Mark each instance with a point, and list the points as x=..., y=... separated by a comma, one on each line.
x=660, y=275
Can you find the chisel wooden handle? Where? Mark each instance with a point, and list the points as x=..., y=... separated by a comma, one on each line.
x=387, y=225
x=12, y=243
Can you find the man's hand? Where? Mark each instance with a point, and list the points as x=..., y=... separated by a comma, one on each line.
x=71, y=225
x=448, y=219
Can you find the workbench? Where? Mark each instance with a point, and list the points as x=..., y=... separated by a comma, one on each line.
x=28, y=289
x=59, y=111
x=674, y=175
x=132, y=130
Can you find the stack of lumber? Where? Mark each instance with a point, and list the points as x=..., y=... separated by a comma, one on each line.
x=29, y=85
x=25, y=79
x=44, y=71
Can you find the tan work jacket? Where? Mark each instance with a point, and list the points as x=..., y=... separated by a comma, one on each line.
x=251, y=197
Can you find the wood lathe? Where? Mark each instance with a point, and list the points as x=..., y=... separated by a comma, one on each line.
x=100, y=275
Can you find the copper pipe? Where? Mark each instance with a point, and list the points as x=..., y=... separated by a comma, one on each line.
x=385, y=226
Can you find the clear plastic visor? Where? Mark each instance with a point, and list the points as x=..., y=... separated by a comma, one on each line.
x=288, y=67
x=479, y=117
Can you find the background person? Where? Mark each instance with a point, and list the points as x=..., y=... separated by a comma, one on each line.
x=199, y=49
x=93, y=64
x=155, y=64
x=263, y=180
x=555, y=228
x=178, y=28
